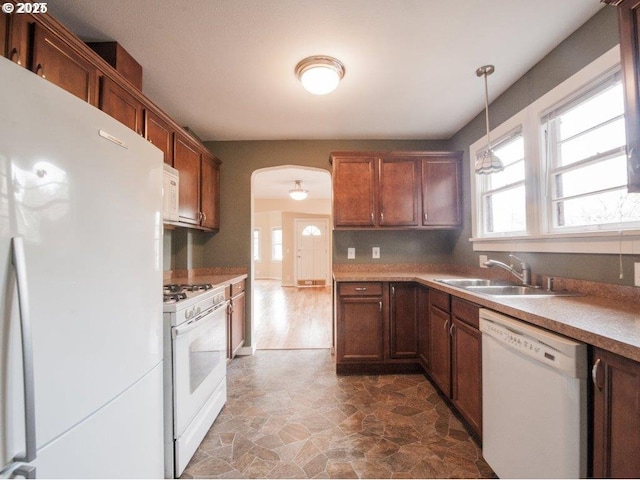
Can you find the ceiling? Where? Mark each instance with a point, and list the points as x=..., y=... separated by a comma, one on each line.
x=225, y=68
x=276, y=182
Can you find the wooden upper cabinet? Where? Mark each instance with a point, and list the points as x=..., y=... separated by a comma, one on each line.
x=397, y=189
x=210, y=191
x=186, y=158
x=616, y=416
x=160, y=134
x=18, y=38
x=55, y=61
x=629, y=27
x=121, y=105
x=442, y=191
x=353, y=191
x=4, y=31
x=399, y=194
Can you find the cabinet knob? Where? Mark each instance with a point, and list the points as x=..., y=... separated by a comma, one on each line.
x=371, y=217
x=446, y=325
x=40, y=71
x=426, y=217
x=15, y=56
x=451, y=328
x=382, y=216
x=380, y=303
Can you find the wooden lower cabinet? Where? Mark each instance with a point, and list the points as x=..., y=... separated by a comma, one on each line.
x=403, y=320
x=616, y=416
x=237, y=308
x=360, y=335
x=455, y=354
x=440, y=341
x=4, y=31
x=466, y=362
x=423, y=327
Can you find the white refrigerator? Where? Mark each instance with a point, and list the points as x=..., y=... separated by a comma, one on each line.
x=81, y=275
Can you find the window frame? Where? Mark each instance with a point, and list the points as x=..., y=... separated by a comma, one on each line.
x=538, y=192
x=273, y=244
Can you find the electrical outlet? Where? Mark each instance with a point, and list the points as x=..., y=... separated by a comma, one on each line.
x=483, y=258
x=375, y=252
x=636, y=274
x=351, y=253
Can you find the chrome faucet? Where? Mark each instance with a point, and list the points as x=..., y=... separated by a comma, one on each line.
x=524, y=277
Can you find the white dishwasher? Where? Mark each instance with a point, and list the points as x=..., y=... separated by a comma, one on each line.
x=534, y=397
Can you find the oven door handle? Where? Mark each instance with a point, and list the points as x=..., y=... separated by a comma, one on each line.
x=198, y=321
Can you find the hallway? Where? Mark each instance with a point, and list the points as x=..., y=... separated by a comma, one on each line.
x=289, y=415
x=291, y=317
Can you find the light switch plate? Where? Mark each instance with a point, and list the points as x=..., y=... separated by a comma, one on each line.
x=375, y=252
x=636, y=274
x=483, y=258
x=351, y=253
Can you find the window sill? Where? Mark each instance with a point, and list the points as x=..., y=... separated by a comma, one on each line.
x=626, y=242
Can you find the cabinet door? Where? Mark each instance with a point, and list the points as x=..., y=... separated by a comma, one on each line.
x=399, y=191
x=4, y=31
x=210, y=191
x=360, y=330
x=353, y=191
x=237, y=323
x=116, y=102
x=57, y=62
x=466, y=372
x=18, y=41
x=423, y=326
x=616, y=416
x=440, y=349
x=441, y=192
x=629, y=26
x=186, y=158
x=159, y=133
x=404, y=320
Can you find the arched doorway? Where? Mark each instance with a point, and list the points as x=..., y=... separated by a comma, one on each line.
x=291, y=258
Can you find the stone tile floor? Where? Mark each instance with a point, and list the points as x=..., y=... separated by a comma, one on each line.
x=289, y=415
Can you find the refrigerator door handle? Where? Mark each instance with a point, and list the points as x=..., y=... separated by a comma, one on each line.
x=27, y=351
x=24, y=471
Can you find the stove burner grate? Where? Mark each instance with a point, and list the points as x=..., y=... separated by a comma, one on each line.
x=173, y=297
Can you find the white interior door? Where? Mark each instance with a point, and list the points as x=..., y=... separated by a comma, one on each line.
x=312, y=250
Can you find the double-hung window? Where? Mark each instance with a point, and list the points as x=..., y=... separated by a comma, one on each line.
x=586, y=161
x=502, y=194
x=276, y=244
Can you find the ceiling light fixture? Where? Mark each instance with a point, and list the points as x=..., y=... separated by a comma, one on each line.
x=320, y=74
x=487, y=161
x=298, y=193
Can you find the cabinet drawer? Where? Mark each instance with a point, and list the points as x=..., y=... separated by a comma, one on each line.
x=363, y=289
x=238, y=287
x=466, y=311
x=440, y=300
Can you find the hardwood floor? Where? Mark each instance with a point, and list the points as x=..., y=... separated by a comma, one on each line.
x=291, y=317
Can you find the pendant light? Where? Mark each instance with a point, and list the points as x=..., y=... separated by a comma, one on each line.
x=298, y=193
x=487, y=162
x=320, y=74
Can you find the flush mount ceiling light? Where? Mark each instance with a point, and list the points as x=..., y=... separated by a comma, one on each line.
x=298, y=193
x=487, y=161
x=320, y=74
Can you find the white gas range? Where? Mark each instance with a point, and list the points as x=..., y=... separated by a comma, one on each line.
x=195, y=367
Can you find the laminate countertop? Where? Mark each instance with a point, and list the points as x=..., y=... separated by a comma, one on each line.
x=217, y=280
x=608, y=323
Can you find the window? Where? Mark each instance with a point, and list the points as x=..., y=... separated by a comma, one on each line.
x=276, y=244
x=564, y=186
x=585, y=144
x=256, y=244
x=311, y=231
x=503, y=194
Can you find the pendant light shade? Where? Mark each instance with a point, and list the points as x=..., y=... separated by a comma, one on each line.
x=320, y=74
x=298, y=193
x=487, y=162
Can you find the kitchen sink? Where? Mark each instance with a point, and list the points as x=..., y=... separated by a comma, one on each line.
x=474, y=282
x=503, y=288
